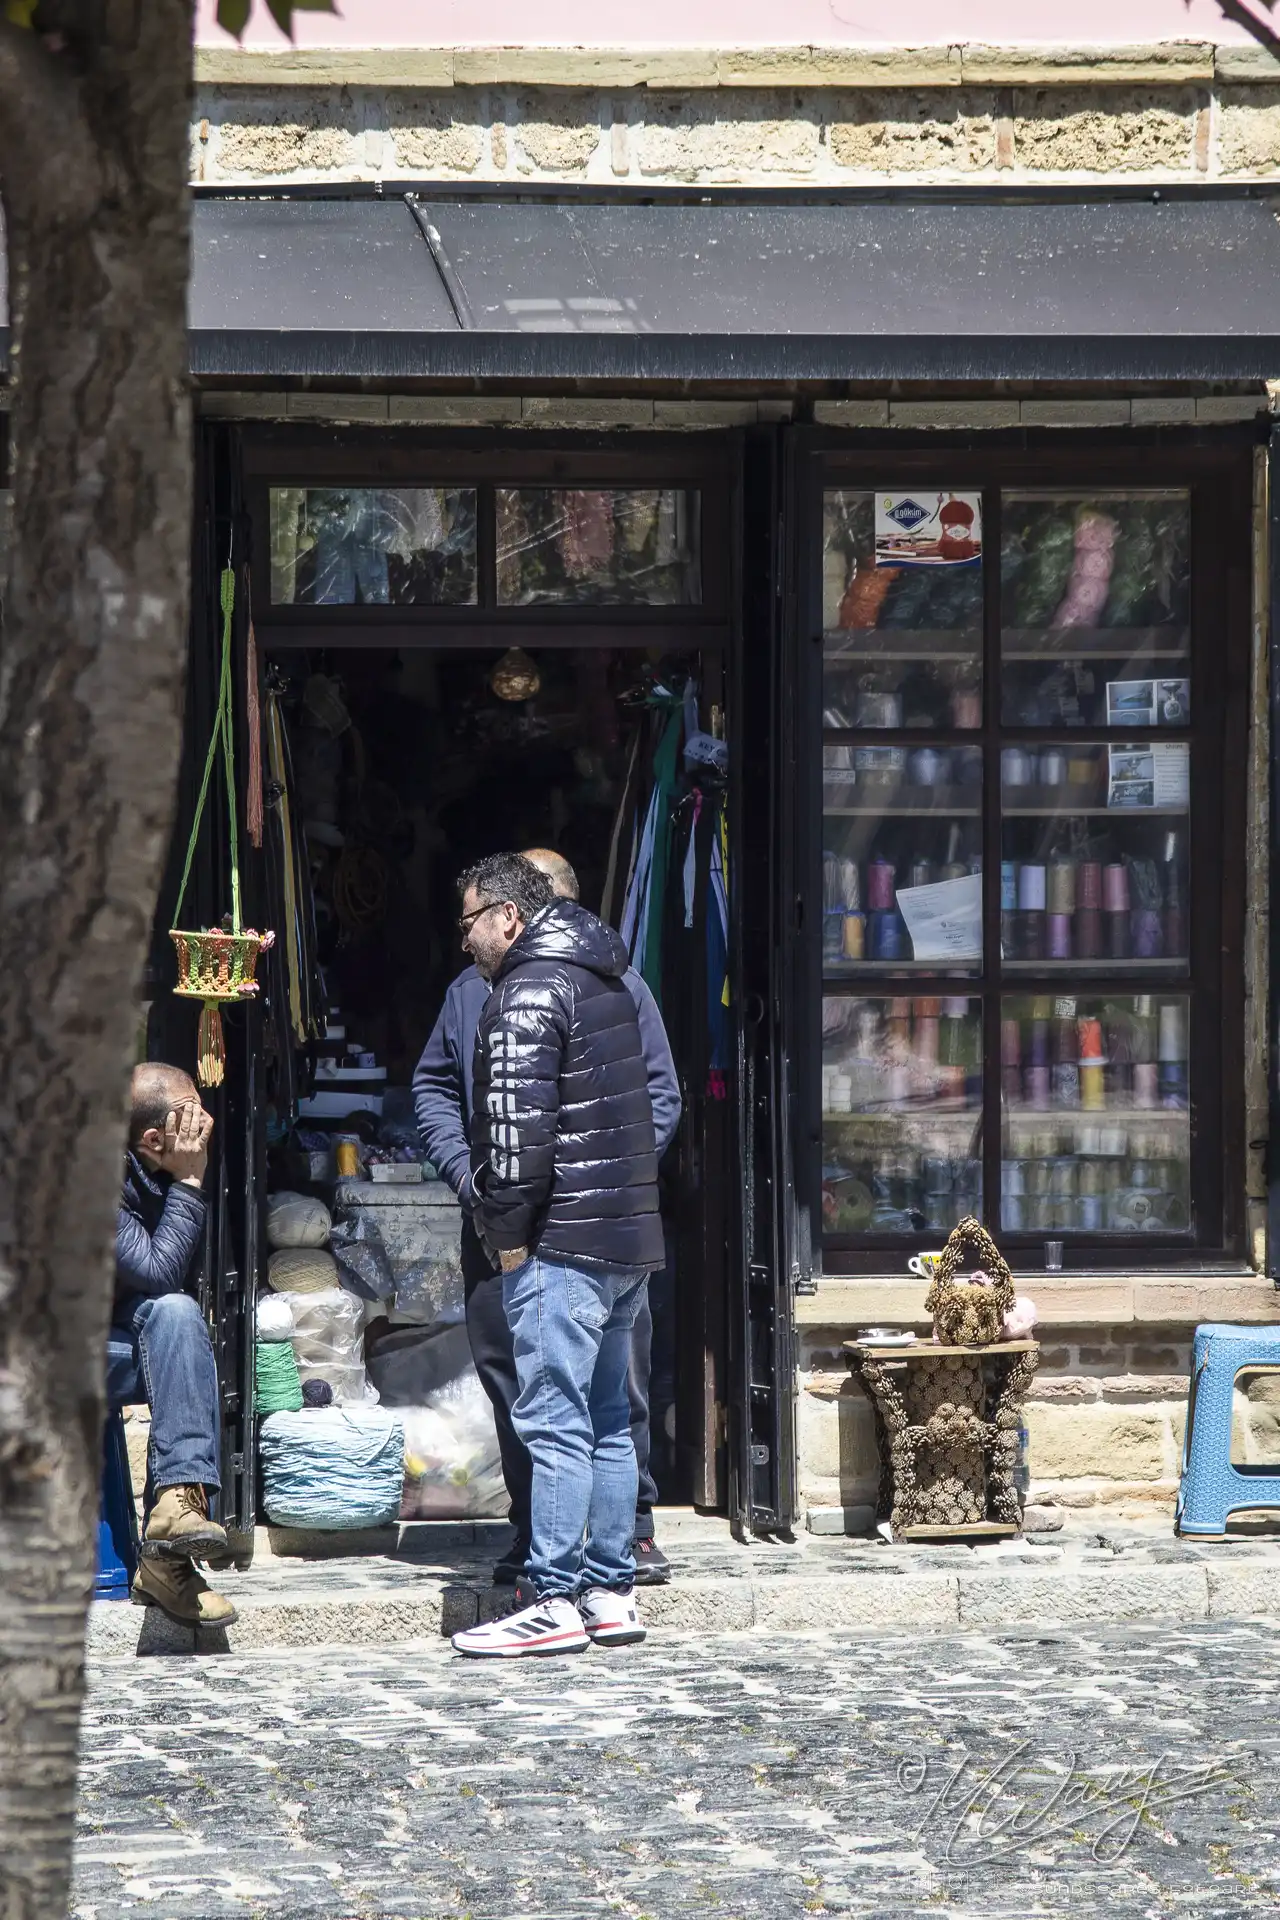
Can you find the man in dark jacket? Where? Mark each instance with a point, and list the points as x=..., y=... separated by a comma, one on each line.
x=443, y=1102
x=159, y=1347
x=564, y=1173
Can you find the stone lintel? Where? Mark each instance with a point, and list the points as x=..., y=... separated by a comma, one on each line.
x=1168, y=63
x=846, y=1302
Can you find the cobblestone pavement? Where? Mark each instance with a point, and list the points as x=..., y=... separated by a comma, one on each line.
x=740, y=1776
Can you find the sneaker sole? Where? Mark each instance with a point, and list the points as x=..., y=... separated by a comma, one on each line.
x=650, y=1577
x=190, y=1546
x=617, y=1636
x=521, y=1652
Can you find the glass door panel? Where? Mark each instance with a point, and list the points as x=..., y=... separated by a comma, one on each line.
x=901, y=1113
x=1095, y=609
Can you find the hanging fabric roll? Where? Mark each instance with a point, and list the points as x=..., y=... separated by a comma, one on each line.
x=642, y=916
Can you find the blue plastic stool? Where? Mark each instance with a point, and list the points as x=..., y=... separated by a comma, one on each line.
x=118, y=1520
x=1211, y=1488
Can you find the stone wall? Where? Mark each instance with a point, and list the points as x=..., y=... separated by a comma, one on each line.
x=921, y=119
x=1105, y=1419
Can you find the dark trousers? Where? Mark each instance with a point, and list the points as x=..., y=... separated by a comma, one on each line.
x=493, y=1352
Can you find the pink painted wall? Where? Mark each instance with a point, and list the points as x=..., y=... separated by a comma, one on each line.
x=734, y=23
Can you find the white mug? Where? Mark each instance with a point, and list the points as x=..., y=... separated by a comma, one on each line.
x=924, y=1265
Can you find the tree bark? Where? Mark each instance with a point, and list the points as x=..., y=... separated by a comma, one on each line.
x=94, y=112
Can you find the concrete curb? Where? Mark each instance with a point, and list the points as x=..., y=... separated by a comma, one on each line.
x=868, y=1602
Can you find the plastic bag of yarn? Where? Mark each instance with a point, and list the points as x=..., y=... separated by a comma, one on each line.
x=452, y=1467
x=274, y=1317
x=277, y=1388
x=296, y=1220
x=302, y=1270
x=328, y=1342
x=364, y=1265
x=332, y=1468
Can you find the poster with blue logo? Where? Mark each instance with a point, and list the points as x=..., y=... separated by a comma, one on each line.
x=928, y=529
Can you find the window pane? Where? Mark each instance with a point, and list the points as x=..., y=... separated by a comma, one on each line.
x=1095, y=593
x=902, y=858
x=373, y=546
x=901, y=1106
x=1094, y=857
x=562, y=546
x=1095, y=1114
x=902, y=609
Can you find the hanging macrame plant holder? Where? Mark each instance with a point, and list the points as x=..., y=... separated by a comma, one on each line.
x=218, y=963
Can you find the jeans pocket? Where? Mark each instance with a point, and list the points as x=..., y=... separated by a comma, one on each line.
x=588, y=1305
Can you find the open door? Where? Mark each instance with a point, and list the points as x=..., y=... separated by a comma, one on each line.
x=769, y=1259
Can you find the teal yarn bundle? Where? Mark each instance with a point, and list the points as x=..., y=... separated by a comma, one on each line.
x=279, y=1390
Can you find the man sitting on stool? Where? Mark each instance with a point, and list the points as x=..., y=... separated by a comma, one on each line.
x=169, y=1356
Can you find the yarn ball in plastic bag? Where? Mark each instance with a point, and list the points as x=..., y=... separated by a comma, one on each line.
x=332, y=1467
x=302, y=1270
x=296, y=1220
x=274, y=1317
x=317, y=1393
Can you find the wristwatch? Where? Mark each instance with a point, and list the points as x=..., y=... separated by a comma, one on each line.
x=513, y=1257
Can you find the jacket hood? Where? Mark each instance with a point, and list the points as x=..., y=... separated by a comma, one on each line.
x=566, y=931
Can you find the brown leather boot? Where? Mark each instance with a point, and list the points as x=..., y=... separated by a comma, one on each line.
x=178, y=1590
x=179, y=1527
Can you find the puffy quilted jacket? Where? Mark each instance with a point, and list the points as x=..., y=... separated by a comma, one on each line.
x=563, y=1157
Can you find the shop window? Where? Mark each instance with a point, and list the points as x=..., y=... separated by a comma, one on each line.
x=373, y=546
x=618, y=546
x=1027, y=863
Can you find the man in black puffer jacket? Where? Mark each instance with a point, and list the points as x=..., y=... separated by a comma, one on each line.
x=564, y=1170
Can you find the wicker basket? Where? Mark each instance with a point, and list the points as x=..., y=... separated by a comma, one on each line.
x=214, y=966
x=968, y=1316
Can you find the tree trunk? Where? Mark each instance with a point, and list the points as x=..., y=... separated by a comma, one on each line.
x=94, y=112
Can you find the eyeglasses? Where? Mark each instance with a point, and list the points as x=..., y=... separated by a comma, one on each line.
x=468, y=920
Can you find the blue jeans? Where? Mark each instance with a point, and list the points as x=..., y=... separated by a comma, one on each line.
x=571, y=1327
x=159, y=1350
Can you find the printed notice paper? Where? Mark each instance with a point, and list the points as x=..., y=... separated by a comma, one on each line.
x=944, y=919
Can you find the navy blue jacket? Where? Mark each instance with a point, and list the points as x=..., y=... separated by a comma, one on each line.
x=442, y=1081
x=159, y=1233
x=563, y=1152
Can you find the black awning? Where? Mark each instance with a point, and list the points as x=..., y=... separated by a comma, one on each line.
x=738, y=288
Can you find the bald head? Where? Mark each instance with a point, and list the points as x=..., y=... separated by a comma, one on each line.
x=155, y=1092
x=564, y=881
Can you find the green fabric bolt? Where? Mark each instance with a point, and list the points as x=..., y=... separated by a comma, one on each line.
x=279, y=1388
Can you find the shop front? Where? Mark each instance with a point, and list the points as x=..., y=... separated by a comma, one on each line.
x=903, y=694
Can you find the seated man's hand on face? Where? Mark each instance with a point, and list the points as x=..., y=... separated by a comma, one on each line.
x=186, y=1144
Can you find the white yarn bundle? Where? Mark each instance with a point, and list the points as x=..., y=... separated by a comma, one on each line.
x=275, y=1317
x=302, y=1270
x=296, y=1220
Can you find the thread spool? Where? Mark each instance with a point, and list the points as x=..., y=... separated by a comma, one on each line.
x=1053, y=767
x=1059, y=925
x=886, y=930
x=1088, y=1173
x=853, y=936
x=1062, y=886
x=1089, y=884
x=1017, y=767
x=1115, y=888
x=1038, y=1043
x=1031, y=887
x=1145, y=1084
x=880, y=879
x=1172, y=1044
x=966, y=709
x=920, y=873
x=1089, y=1213
x=1173, y=1083
x=1008, y=886
x=1010, y=1043
x=1012, y=1179
x=1065, y=1085
x=1011, y=1084
x=1088, y=933
x=1035, y=1086
x=1035, y=1175
x=1146, y=933
x=1093, y=1096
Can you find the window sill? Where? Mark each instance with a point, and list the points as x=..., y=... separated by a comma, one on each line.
x=1062, y=1300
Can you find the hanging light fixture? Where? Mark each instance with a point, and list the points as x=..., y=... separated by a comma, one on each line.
x=516, y=676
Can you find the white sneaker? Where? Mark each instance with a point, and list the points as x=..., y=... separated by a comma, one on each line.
x=548, y=1626
x=610, y=1618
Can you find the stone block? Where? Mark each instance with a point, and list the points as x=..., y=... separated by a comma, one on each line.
x=1043, y=1388
x=1162, y=411
x=1159, y=1357
x=437, y=133
x=851, y=413
x=552, y=412
x=308, y=131
x=557, y=131
x=117, y=1630
x=1176, y=60
x=1249, y=130
x=711, y=137
x=1055, y=1359
x=953, y=414
x=358, y=1620
x=692, y=415
x=358, y=408
x=1075, y=413
x=324, y=66
x=1078, y=1441
x=1060, y=1598
x=1230, y=406
x=792, y=1603
x=1245, y=63
x=692, y=1604
x=459, y=411
x=843, y=66
x=1145, y=1386
x=1105, y=129
x=1243, y=1592
x=840, y=1520
x=836, y=1441
x=892, y=130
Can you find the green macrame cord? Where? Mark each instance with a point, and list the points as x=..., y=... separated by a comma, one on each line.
x=223, y=731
